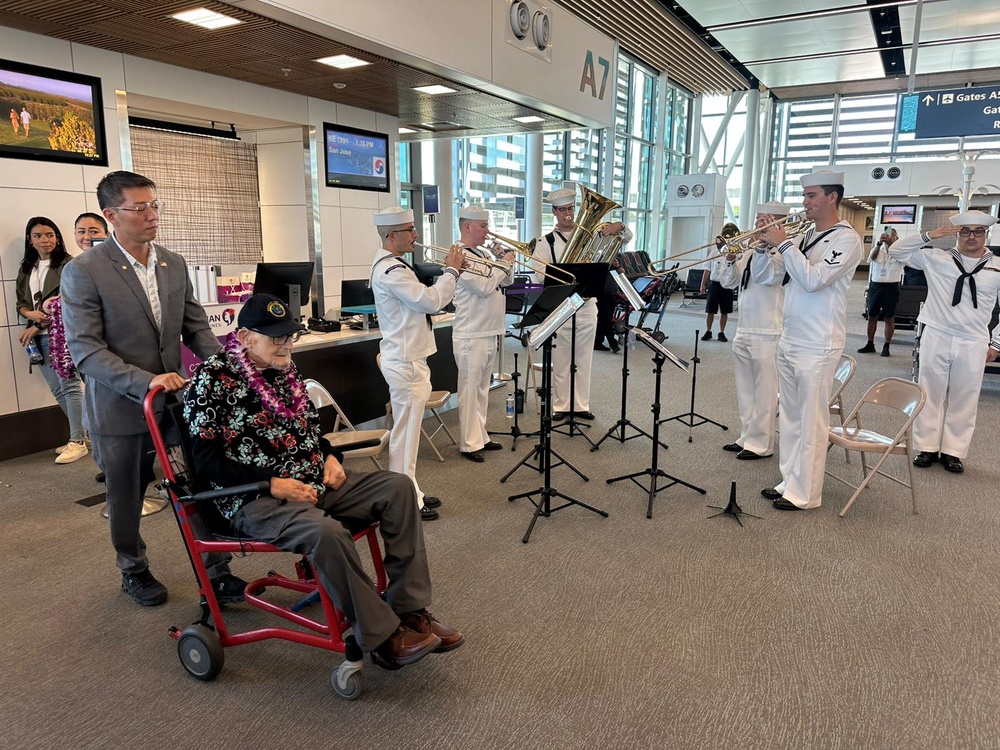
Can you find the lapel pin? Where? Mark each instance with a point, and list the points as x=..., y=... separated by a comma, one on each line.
x=124, y=268
x=163, y=264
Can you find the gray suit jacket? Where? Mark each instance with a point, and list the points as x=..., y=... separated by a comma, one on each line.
x=112, y=335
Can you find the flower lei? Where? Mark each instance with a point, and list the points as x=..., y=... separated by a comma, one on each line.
x=59, y=359
x=268, y=393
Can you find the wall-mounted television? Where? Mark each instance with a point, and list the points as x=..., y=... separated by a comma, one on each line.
x=51, y=115
x=905, y=213
x=356, y=159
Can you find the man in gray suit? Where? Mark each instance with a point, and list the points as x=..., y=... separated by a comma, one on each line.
x=127, y=303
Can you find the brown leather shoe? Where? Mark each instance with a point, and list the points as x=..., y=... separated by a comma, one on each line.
x=403, y=647
x=424, y=622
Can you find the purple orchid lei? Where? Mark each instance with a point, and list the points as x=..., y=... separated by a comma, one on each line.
x=59, y=359
x=268, y=394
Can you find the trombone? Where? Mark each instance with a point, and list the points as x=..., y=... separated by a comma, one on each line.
x=795, y=224
x=524, y=251
x=475, y=266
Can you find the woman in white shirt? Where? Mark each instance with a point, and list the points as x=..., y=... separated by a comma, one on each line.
x=38, y=281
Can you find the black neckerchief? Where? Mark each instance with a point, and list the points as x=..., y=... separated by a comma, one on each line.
x=956, y=296
x=430, y=323
x=806, y=247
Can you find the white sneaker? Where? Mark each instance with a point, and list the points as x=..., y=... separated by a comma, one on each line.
x=61, y=448
x=73, y=452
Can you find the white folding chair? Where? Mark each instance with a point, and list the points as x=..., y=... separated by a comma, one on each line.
x=436, y=401
x=905, y=397
x=343, y=431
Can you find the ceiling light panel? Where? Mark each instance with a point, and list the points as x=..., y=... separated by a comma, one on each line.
x=207, y=19
x=343, y=62
x=529, y=119
x=435, y=90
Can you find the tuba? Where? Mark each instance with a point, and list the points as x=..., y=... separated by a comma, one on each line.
x=586, y=244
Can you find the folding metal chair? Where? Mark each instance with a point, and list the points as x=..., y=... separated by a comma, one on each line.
x=343, y=431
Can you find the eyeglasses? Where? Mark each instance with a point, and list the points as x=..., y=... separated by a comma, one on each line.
x=142, y=208
x=977, y=232
x=409, y=230
x=287, y=338
x=563, y=209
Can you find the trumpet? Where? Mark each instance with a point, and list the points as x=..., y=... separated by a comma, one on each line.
x=524, y=251
x=795, y=225
x=475, y=266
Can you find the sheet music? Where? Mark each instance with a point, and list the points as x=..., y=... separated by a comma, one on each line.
x=659, y=348
x=544, y=330
x=628, y=290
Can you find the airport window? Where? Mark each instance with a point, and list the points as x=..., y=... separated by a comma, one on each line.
x=635, y=135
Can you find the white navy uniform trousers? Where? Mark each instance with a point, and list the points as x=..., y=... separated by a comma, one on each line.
x=814, y=331
x=755, y=352
x=586, y=333
x=479, y=320
x=953, y=343
x=404, y=304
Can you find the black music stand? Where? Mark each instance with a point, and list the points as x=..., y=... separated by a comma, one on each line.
x=732, y=508
x=543, y=506
x=623, y=423
x=590, y=281
x=660, y=355
x=547, y=301
x=688, y=417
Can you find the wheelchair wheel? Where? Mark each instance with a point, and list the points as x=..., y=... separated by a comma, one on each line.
x=201, y=652
x=524, y=339
x=350, y=687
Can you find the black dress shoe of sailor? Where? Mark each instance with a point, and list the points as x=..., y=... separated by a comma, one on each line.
x=925, y=458
x=783, y=504
x=770, y=494
x=559, y=415
x=732, y=447
x=493, y=445
x=585, y=414
x=952, y=463
x=745, y=455
x=474, y=456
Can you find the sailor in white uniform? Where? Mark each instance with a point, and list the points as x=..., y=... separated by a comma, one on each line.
x=755, y=346
x=480, y=305
x=549, y=249
x=814, y=330
x=963, y=286
x=404, y=307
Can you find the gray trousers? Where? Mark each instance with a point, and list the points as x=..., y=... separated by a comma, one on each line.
x=322, y=534
x=127, y=462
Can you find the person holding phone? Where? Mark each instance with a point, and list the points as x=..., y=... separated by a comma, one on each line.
x=884, y=275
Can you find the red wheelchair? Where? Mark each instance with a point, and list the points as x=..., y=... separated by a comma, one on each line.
x=201, y=645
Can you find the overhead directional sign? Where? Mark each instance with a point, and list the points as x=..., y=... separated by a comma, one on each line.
x=951, y=113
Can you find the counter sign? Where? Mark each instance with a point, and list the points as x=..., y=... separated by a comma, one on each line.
x=951, y=113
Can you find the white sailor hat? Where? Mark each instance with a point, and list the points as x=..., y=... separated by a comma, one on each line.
x=391, y=217
x=973, y=219
x=773, y=208
x=822, y=177
x=562, y=197
x=474, y=213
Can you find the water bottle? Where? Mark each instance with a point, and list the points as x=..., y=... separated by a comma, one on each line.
x=510, y=406
x=34, y=353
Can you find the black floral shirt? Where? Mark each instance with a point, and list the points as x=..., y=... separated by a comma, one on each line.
x=236, y=440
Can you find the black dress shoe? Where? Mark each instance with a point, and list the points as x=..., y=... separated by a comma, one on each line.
x=783, y=504
x=428, y=514
x=770, y=494
x=585, y=414
x=474, y=456
x=868, y=348
x=560, y=415
x=600, y=348
x=745, y=455
x=493, y=445
x=432, y=502
x=952, y=463
x=925, y=458
x=732, y=447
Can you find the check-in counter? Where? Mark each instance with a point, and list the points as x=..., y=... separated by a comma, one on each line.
x=344, y=363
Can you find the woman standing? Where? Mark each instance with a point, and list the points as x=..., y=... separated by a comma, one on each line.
x=37, y=281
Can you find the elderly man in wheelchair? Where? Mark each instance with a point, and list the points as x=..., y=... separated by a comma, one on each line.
x=251, y=421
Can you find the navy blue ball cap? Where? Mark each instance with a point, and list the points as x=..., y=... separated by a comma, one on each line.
x=266, y=314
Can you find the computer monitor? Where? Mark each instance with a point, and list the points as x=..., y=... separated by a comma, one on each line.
x=428, y=272
x=289, y=282
x=355, y=293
